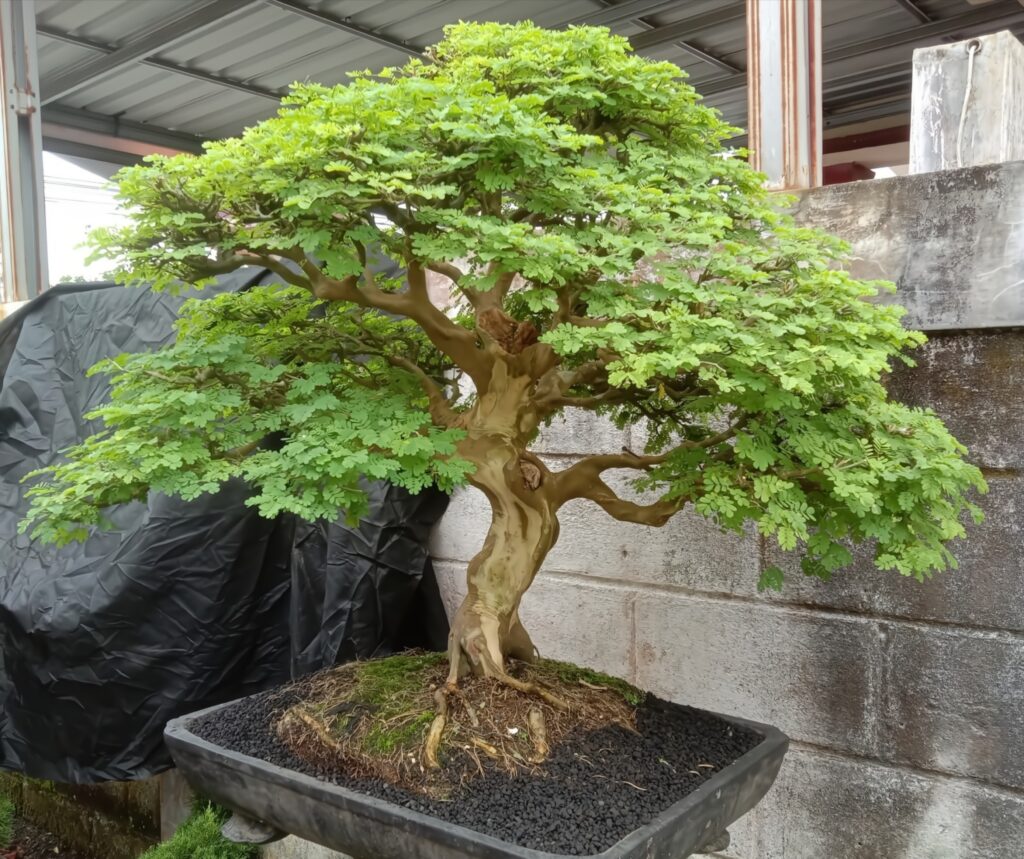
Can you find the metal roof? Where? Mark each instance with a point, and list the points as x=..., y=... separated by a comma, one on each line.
x=172, y=72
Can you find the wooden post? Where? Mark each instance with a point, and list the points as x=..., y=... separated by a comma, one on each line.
x=968, y=104
x=784, y=91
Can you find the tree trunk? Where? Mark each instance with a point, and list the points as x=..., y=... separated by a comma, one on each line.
x=486, y=629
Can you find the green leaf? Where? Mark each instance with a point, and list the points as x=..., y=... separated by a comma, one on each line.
x=770, y=579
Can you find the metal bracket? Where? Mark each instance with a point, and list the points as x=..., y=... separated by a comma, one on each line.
x=23, y=102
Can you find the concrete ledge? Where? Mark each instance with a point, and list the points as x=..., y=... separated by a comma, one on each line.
x=952, y=241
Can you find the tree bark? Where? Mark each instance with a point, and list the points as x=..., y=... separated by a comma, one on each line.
x=524, y=526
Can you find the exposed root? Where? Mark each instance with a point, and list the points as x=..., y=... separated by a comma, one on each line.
x=433, y=741
x=539, y=735
x=532, y=689
x=405, y=722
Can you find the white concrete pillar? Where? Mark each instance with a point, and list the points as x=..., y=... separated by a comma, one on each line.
x=784, y=91
x=968, y=104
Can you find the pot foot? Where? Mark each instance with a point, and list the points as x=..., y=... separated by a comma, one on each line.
x=716, y=843
x=242, y=829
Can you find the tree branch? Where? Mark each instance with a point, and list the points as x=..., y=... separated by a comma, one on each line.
x=440, y=410
x=579, y=480
x=656, y=514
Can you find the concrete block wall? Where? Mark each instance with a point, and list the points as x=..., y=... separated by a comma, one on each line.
x=905, y=702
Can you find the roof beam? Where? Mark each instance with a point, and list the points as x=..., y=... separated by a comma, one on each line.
x=915, y=10
x=981, y=17
x=187, y=20
x=622, y=12
x=98, y=126
x=196, y=74
x=687, y=47
x=686, y=27
x=345, y=25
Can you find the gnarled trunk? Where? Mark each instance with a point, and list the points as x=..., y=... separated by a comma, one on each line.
x=486, y=629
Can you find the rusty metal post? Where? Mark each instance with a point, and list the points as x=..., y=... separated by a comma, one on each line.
x=22, y=212
x=784, y=91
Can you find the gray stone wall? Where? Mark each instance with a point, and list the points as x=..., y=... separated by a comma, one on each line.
x=905, y=702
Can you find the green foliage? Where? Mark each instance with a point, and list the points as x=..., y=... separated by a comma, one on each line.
x=248, y=367
x=199, y=838
x=669, y=286
x=6, y=821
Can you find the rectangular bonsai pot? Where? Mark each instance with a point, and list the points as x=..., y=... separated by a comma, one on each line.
x=368, y=828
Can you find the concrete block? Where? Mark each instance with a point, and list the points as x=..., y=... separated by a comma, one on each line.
x=974, y=382
x=843, y=808
x=176, y=798
x=577, y=431
x=952, y=700
x=987, y=590
x=952, y=241
x=812, y=675
x=298, y=848
x=983, y=93
x=569, y=618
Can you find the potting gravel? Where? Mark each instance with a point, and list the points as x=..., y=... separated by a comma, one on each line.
x=593, y=790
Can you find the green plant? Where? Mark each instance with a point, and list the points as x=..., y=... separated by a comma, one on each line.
x=6, y=821
x=604, y=251
x=199, y=838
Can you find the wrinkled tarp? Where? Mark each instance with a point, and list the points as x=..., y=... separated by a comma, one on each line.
x=180, y=605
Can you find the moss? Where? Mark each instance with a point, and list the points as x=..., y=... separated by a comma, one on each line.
x=385, y=683
x=570, y=673
x=393, y=693
x=6, y=821
x=199, y=838
x=385, y=740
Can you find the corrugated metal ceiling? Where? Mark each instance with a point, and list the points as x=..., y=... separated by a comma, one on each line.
x=211, y=81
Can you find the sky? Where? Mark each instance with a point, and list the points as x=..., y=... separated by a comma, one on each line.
x=77, y=200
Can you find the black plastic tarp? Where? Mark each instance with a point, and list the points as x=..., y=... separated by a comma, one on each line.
x=180, y=605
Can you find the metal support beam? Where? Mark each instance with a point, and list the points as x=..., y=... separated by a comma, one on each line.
x=195, y=74
x=687, y=47
x=622, y=12
x=915, y=10
x=995, y=14
x=22, y=206
x=185, y=21
x=687, y=27
x=345, y=25
x=784, y=91
x=112, y=132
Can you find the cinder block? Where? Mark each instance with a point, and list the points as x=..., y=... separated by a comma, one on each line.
x=568, y=617
x=950, y=240
x=952, y=700
x=988, y=587
x=298, y=848
x=842, y=808
x=578, y=431
x=810, y=674
x=974, y=382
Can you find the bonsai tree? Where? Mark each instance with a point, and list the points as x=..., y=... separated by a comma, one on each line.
x=603, y=250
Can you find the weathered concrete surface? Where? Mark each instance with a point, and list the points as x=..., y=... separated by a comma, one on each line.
x=118, y=820
x=809, y=674
x=993, y=116
x=952, y=241
x=825, y=806
x=953, y=700
x=298, y=848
